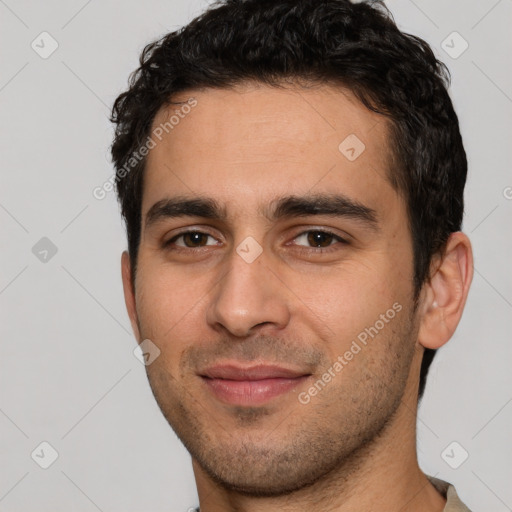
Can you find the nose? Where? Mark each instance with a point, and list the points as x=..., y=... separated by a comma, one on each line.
x=248, y=296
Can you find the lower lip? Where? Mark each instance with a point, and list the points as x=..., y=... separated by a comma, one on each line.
x=251, y=392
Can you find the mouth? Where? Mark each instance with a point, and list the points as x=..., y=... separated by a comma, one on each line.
x=251, y=386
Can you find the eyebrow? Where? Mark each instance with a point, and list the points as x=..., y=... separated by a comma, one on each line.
x=336, y=205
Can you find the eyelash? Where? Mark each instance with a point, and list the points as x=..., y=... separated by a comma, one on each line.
x=317, y=250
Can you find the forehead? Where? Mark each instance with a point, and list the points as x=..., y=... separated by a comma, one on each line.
x=253, y=143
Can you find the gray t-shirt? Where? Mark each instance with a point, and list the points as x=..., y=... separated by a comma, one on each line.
x=453, y=503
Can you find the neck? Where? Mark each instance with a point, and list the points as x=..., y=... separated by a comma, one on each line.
x=382, y=474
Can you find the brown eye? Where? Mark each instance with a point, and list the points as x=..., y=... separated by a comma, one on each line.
x=318, y=239
x=191, y=240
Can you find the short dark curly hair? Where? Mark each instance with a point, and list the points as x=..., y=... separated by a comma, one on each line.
x=354, y=45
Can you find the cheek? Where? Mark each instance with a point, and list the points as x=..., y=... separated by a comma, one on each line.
x=347, y=302
x=341, y=302
x=170, y=305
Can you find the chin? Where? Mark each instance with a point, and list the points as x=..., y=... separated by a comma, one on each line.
x=263, y=484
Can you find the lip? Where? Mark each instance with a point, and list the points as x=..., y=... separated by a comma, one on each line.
x=249, y=373
x=251, y=386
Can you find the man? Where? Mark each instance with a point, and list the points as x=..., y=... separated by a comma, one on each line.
x=291, y=175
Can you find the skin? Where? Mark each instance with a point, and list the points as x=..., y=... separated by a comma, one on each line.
x=352, y=447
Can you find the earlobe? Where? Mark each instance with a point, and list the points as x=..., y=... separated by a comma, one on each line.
x=129, y=293
x=444, y=295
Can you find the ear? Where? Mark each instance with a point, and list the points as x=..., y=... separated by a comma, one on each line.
x=129, y=293
x=445, y=293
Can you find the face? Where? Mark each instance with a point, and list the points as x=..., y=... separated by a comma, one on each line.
x=275, y=277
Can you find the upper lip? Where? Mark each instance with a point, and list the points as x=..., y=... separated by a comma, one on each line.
x=258, y=372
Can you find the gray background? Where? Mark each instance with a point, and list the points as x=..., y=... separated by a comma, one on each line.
x=68, y=374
